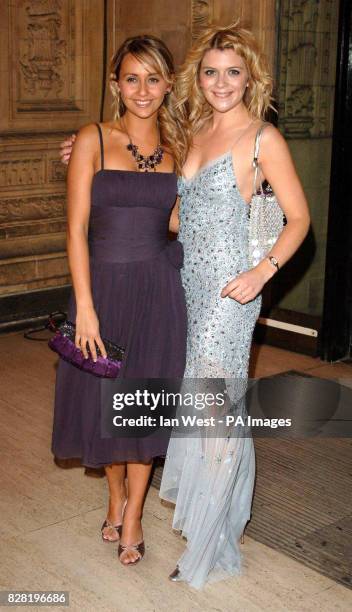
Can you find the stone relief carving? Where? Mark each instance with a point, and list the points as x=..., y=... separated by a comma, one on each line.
x=22, y=172
x=309, y=15
x=301, y=14
x=31, y=208
x=32, y=229
x=299, y=106
x=29, y=136
x=307, y=67
x=42, y=51
x=51, y=80
x=57, y=171
x=202, y=13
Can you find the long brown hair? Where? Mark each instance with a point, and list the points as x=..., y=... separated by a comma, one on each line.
x=153, y=52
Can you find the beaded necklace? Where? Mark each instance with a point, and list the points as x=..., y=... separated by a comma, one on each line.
x=145, y=162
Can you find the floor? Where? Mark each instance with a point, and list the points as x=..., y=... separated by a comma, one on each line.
x=50, y=517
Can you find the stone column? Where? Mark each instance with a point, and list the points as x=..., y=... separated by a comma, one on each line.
x=306, y=74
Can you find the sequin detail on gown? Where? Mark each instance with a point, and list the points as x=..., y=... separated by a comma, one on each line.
x=210, y=478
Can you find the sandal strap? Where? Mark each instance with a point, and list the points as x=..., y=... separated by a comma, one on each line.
x=131, y=546
x=138, y=548
x=108, y=524
x=118, y=527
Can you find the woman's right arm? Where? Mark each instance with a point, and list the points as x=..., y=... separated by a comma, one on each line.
x=79, y=181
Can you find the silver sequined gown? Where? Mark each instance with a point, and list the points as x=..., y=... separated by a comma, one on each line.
x=210, y=477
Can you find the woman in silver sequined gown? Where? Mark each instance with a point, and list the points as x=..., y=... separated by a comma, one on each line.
x=209, y=475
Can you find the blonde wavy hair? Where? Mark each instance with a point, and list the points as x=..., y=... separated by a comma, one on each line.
x=195, y=110
x=152, y=52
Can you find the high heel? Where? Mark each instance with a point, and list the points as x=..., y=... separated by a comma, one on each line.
x=175, y=576
x=118, y=528
x=139, y=548
x=242, y=537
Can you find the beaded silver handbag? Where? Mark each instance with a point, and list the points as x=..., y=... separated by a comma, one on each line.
x=266, y=217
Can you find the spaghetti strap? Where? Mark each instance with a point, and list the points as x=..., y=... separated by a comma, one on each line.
x=101, y=146
x=242, y=134
x=255, y=162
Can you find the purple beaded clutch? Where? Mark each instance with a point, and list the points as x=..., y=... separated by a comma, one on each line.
x=63, y=343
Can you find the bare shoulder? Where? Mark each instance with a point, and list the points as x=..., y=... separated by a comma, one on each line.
x=88, y=134
x=86, y=147
x=114, y=129
x=272, y=142
x=272, y=135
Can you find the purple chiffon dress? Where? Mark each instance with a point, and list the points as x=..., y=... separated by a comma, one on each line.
x=139, y=300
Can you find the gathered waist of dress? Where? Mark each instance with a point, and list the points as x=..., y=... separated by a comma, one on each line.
x=123, y=235
x=170, y=250
x=121, y=250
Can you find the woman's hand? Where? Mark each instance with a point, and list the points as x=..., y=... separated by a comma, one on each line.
x=87, y=331
x=66, y=149
x=247, y=285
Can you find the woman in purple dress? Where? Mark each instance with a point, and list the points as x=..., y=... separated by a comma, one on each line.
x=122, y=187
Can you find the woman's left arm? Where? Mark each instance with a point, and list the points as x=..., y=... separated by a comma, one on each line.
x=278, y=169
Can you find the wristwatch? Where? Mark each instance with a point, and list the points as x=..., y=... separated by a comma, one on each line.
x=274, y=262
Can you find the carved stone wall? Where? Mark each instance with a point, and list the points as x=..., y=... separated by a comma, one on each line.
x=51, y=64
x=306, y=77
x=256, y=15
x=202, y=16
x=178, y=23
x=308, y=43
x=32, y=213
x=169, y=20
x=50, y=67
